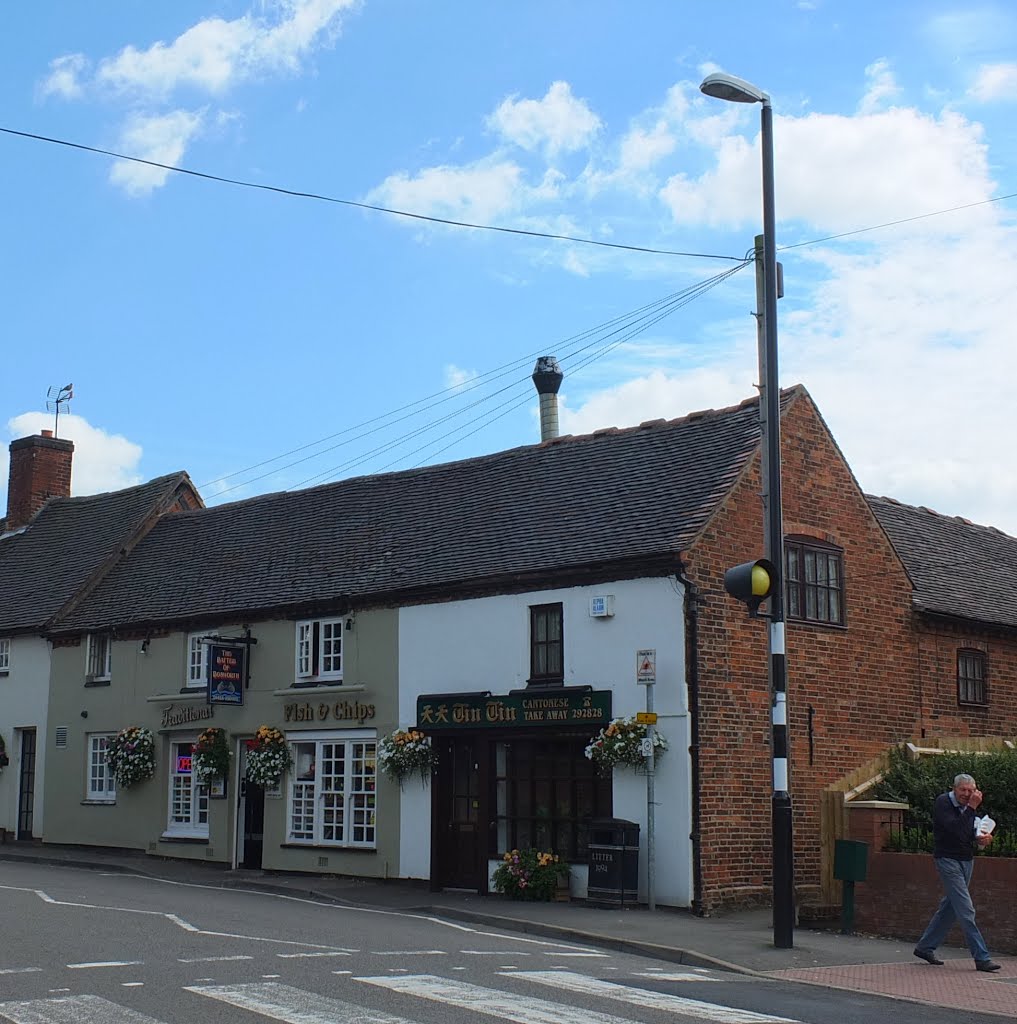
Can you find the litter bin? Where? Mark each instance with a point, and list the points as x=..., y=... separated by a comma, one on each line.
x=614, y=862
x=850, y=865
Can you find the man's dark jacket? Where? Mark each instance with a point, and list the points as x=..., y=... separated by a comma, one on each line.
x=953, y=829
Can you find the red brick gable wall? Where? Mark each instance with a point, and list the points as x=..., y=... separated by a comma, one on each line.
x=860, y=680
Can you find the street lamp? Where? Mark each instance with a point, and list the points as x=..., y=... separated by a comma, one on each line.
x=737, y=90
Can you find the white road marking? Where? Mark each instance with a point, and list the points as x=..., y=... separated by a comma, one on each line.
x=106, y=963
x=477, y=999
x=497, y=952
x=19, y=970
x=298, y=956
x=210, y=959
x=548, y=952
x=72, y=1010
x=292, y=1005
x=651, y=1000
x=408, y=952
x=675, y=976
x=132, y=984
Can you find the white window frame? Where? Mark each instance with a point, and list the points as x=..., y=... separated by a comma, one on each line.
x=197, y=660
x=5, y=655
x=342, y=814
x=316, y=657
x=92, y=657
x=100, y=783
x=185, y=790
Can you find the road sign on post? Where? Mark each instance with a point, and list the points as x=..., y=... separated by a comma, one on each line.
x=646, y=667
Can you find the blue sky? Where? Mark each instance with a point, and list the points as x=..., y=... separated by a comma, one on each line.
x=211, y=327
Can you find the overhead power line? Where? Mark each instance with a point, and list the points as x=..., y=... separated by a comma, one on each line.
x=361, y=206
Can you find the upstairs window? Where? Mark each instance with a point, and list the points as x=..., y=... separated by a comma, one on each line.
x=814, y=581
x=97, y=665
x=197, y=661
x=547, y=663
x=971, y=676
x=320, y=649
x=5, y=655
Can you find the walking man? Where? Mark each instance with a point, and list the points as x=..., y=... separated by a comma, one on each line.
x=955, y=838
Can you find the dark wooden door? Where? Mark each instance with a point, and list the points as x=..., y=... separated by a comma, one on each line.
x=26, y=797
x=460, y=846
x=254, y=824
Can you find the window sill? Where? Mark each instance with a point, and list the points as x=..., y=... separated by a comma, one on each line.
x=325, y=686
x=99, y=803
x=839, y=627
x=546, y=683
x=174, y=837
x=327, y=846
x=97, y=682
x=973, y=705
x=180, y=695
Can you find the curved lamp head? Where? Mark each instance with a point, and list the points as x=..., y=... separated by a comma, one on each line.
x=726, y=87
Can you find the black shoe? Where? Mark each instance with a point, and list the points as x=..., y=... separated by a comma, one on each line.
x=987, y=965
x=931, y=958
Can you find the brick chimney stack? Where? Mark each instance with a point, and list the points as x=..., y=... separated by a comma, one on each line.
x=40, y=469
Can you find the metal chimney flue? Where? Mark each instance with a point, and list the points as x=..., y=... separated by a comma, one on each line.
x=547, y=377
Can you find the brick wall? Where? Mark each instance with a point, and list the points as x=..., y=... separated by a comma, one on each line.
x=903, y=889
x=40, y=469
x=859, y=680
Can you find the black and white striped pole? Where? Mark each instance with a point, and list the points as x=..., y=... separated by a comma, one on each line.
x=727, y=87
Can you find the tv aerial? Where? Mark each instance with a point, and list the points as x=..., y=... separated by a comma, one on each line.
x=55, y=398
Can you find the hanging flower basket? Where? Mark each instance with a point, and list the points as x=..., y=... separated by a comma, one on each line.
x=130, y=756
x=268, y=756
x=405, y=753
x=620, y=744
x=211, y=758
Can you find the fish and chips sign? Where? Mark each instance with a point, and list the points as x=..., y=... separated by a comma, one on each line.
x=226, y=674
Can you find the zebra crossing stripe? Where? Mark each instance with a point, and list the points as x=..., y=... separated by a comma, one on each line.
x=292, y=1005
x=478, y=999
x=633, y=996
x=72, y=1010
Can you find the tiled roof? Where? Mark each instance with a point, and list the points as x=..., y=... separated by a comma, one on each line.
x=958, y=568
x=43, y=566
x=570, y=505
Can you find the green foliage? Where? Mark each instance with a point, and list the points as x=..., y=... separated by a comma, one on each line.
x=529, y=874
x=917, y=782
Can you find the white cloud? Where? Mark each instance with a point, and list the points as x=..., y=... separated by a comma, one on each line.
x=558, y=123
x=64, y=80
x=456, y=376
x=162, y=138
x=995, y=82
x=475, y=192
x=882, y=86
x=102, y=461
x=214, y=55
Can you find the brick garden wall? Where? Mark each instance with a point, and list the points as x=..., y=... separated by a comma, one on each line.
x=860, y=680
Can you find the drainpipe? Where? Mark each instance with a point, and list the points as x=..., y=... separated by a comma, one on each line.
x=692, y=681
x=547, y=377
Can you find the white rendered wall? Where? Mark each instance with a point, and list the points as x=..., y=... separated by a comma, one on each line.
x=483, y=644
x=24, y=697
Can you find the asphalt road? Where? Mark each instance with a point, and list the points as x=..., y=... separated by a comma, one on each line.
x=80, y=947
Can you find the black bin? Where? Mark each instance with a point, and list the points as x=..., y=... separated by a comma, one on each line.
x=614, y=861
x=850, y=860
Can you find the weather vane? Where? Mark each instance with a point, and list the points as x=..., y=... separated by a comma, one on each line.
x=56, y=397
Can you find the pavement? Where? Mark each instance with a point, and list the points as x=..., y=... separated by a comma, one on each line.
x=740, y=941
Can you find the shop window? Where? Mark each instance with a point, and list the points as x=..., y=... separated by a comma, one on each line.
x=547, y=791
x=320, y=649
x=98, y=660
x=188, y=798
x=814, y=581
x=332, y=798
x=101, y=783
x=197, y=661
x=971, y=677
x=546, y=645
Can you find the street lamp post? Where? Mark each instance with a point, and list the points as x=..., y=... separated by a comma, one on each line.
x=727, y=87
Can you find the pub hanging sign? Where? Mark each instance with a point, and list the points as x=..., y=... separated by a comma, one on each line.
x=480, y=711
x=226, y=674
